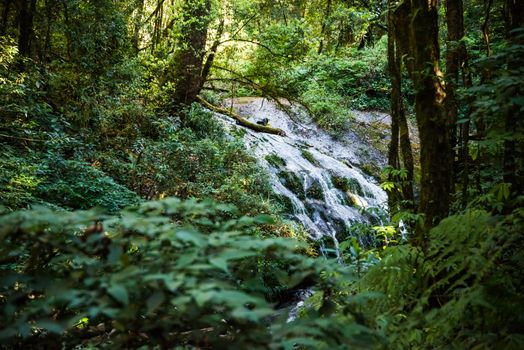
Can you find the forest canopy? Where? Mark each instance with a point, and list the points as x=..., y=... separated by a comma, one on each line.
x=140, y=206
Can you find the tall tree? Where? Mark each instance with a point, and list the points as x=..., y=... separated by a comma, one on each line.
x=399, y=125
x=25, y=22
x=513, y=147
x=422, y=59
x=139, y=5
x=325, y=25
x=457, y=62
x=188, y=59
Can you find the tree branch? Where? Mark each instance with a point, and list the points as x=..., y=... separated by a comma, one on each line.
x=241, y=120
x=256, y=43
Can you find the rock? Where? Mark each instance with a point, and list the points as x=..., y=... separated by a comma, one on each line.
x=263, y=121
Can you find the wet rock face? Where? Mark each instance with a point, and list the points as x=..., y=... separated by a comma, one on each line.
x=320, y=178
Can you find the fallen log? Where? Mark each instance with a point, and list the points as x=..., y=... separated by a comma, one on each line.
x=241, y=120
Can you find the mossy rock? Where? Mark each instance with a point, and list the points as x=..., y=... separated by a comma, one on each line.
x=353, y=200
x=310, y=157
x=315, y=191
x=292, y=182
x=275, y=160
x=347, y=200
x=369, y=194
x=284, y=203
x=310, y=209
x=371, y=169
x=347, y=185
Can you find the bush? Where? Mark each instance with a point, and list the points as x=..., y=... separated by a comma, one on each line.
x=206, y=163
x=464, y=292
x=74, y=184
x=167, y=273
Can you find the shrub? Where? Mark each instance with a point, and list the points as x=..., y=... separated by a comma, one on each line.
x=463, y=292
x=168, y=273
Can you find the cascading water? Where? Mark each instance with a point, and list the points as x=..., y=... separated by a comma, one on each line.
x=317, y=175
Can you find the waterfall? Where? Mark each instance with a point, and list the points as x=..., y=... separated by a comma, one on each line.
x=318, y=176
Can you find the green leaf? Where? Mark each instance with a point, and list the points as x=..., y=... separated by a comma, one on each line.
x=219, y=263
x=115, y=252
x=202, y=297
x=154, y=301
x=190, y=237
x=264, y=219
x=119, y=292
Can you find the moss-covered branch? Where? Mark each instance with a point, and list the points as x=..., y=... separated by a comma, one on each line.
x=241, y=120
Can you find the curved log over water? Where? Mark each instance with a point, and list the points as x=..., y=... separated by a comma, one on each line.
x=241, y=120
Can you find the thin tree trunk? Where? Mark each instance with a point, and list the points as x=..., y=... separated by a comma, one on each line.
x=5, y=16
x=67, y=31
x=157, y=28
x=399, y=125
x=47, y=41
x=456, y=61
x=407, y=154
x=514, y=17
x=453, y=59
x=138, y=25
x=393, y=150
x=485, y=27
x=345, y=35
x=324, y=26
x=211, y=55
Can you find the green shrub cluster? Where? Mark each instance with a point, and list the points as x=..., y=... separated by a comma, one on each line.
x=168, y=273
x=330, y=86
x=463, y=291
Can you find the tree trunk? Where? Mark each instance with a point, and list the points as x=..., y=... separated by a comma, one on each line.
x=188, y=61
x=399, y=124
x=453, y=59
x=367, y=39
x=241, y=120
x=324, y=26
x=457, y=60
x=25, y=15
x=212, y=52
x=6, y=6
x=514, y=17
x=137, y=25
x=435, y=149
x=393, y=157
x=406, y=152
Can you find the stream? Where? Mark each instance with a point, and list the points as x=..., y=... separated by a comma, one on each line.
x=319, y=177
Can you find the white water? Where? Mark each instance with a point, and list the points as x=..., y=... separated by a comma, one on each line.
x=334, y=209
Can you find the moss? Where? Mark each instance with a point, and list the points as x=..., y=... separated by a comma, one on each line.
x=347, y=185
x=310, y=209
x=275, y=160
x=292, y=182
x=309, y=157
x=315, y=191
x=371, y=169
x=369, y=194
x=284, y=203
